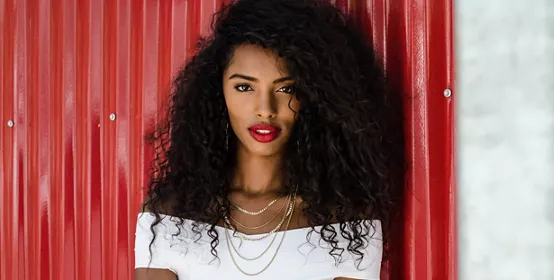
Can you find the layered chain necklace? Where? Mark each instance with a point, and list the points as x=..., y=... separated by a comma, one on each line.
x=266, y=223
x=287, y=202
x=291, y=199
x=257, y=212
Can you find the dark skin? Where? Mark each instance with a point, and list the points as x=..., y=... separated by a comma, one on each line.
x=257, y=89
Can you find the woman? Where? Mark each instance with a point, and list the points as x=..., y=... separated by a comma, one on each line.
x=281, y=155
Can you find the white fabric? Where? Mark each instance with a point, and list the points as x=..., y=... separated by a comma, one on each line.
x=296, y=259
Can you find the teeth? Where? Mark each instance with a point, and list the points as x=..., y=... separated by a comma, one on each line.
x=260, y=131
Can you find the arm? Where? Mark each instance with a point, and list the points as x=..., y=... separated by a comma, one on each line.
x=154, y=274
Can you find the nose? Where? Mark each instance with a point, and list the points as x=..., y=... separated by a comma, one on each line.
x=265, y=108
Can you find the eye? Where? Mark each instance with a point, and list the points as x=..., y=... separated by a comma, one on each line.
x=243, y=88
x=289, y=89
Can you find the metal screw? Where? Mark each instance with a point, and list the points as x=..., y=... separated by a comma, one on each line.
x=10, y=123
x=447, y=93
x=112, y=117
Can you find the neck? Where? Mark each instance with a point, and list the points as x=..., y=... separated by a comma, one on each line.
x=256, y=175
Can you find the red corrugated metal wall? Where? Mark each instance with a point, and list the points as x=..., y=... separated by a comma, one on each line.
x=81, y=82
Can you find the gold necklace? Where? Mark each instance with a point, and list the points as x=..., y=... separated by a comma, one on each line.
x=266, y=223
x=272, y=258
x=253, y=258
x=244, y=237
x=254, y=213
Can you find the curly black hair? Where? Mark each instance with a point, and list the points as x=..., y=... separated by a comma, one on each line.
x=346, y=152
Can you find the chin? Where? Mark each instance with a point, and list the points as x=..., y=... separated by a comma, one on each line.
x=265, y=150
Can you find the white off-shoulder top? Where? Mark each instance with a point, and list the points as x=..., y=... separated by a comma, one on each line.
x=296, y=258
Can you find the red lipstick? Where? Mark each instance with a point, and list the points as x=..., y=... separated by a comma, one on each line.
x=264, y=133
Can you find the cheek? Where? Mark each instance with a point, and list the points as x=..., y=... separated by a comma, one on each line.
x=236, y=116
x=290, y=110
x=235, y=106
x=295, y=105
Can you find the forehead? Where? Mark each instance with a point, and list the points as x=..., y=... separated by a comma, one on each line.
x=256, y=61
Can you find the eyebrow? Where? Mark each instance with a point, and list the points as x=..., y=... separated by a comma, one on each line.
x=241, y=76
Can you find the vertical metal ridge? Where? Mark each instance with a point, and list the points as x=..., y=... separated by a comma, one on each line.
x=121, y=217
x=97, y=121
x=192, y=28
x=395, y=57
x=178, y=23
x=207, y=9
x=82, y=147
x=68, y=103
x=7, y=22
x=3, y=125
x=418, y=202
x=164, y=60
x=452, y=256
x=378, y=14
x=164, y=53
x=441, y=187
x=3, y=137
x=8, y=211
x=149, y=82
x=45, y=88
x=108, y=138
x=410, y=227
x=150, y=55
x=21, y=138
x=32, y=115
x=135, y=182
x=56, y=196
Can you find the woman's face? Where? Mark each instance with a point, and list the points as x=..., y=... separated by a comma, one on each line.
x=260, y=99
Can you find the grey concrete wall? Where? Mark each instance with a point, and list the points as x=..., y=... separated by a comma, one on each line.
x=505, y=138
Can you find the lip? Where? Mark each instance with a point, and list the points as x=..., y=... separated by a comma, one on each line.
x=272, y=132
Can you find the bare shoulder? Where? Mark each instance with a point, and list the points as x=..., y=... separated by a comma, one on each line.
x=154, y=274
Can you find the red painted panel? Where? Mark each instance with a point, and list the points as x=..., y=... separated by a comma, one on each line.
x=71, y=176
